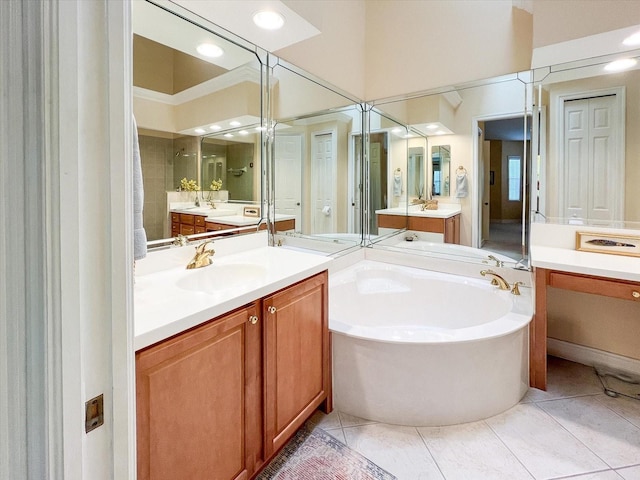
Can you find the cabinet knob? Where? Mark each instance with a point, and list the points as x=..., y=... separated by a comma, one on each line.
x=635, y=294
x=272, y=309
x=253, y=319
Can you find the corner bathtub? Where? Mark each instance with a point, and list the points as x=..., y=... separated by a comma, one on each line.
x=415, y=347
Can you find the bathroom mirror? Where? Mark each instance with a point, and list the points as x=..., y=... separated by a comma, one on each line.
x=440, y=170
x=483, y=124
x=316, y=154
x=182, y=99
x=588, y=117
x=416, y=173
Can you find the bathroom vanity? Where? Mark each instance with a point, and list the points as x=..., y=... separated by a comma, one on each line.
x=221, y=396
x=445, y=220
x=188, y=222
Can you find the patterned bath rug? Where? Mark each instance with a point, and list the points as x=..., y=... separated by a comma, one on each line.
x=316, y=455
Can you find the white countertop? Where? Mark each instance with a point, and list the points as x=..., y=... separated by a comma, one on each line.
x=165, y=305
x=443, y=211
x=242, y=220
x=588, y=263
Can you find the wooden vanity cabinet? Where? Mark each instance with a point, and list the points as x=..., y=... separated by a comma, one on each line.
x=218, y=401
x=297, y=356
x=449, y=227
x=199, y=402
x=187, y=224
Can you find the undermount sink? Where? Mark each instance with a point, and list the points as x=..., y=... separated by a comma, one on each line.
x=215, y=278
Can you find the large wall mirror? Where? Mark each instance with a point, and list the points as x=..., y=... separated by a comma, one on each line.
x=198, y=107
x=477, y=169
x=588, y=168
x=316, y=161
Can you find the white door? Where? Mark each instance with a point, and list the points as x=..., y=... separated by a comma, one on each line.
x=288, y=176
x=323, y=184
x=375, y=186
x=591, y=152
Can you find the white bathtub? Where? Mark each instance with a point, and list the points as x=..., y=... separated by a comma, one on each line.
x=414, y=347
x=454, y=250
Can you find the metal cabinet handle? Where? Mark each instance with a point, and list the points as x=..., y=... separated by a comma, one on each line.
x=272, y=309
x=635, y=294
x=253, y=319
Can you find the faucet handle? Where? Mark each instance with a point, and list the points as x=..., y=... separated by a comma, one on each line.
x=514, y=289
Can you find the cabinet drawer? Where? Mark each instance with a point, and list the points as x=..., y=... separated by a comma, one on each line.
x=426, y=224
x=186, y=218
x=200, y=229
x=175, y=228
x=175, y=217
x=199, y=221
x=187, y=229
x=595, y=285
x=392, y=221
x=214, y=227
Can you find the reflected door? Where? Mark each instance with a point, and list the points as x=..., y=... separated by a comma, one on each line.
x=590, y=154
x=288, y=176
x=323, y=181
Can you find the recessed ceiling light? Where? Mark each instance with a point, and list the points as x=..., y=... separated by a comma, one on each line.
x=440, y=132
x=209, y=50
x=243, y=132
x=235, y=123
x=432, y=126
x=632, y=40
x=228, y=135
x=200, y=131
x=215, y=128
x=268, y=19
x=622, y=64
x=260, y=129
x=396, y=130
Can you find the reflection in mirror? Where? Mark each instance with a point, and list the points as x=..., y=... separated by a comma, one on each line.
x=316, y=163
x=588, y=168
x=181, y=96
x=470, y=209
x=415, y=172
x=440, y=170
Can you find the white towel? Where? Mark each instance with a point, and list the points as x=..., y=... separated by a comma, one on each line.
x=139, y=235
x=462, y=186
x=397, y=185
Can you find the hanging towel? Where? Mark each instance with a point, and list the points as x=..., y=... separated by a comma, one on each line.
x=462, y=186
x=139, y=235
x=397, y=184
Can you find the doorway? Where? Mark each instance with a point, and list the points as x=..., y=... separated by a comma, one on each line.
x=504, y=152
x=378, y=177
x=288, y=177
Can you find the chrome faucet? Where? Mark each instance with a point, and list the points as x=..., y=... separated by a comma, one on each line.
x=202, y=258
x=497, y=279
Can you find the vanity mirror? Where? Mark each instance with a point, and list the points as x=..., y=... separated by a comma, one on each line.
x=587, y=118
x=474, y=131
x=197, y=100
x=316, y=159
x=440, y=170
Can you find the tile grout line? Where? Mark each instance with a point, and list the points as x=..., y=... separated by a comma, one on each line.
x=509, y=450
x=430, y=453
x=576, y=438
x=618, y=414
x=578, y=475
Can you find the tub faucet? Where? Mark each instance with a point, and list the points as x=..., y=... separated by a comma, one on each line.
x=202, y=258
x=499, y=263
x=497, y=279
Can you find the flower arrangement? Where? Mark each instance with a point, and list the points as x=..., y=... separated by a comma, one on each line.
x=216, y=185
x=189, y=185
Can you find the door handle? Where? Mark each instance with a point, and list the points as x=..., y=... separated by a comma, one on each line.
x=298, y=204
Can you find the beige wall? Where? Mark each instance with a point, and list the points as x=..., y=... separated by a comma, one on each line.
x=417, y=45
x=337, y=54
x=594, y=321
x=562, y=20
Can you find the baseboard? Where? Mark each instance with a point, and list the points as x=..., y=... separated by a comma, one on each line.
x=592, y=357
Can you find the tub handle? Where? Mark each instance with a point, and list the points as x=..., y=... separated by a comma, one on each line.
x=272, y=309
x=515, y=290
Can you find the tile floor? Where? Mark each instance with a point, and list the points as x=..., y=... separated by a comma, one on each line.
x=572, y=430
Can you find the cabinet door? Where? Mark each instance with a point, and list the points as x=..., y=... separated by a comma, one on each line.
x=199, y=402
x=297, y=358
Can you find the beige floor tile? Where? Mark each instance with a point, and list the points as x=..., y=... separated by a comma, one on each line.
x=565, y=379
x=544, y=447
x=399, y=450
x=631, y=473
x=471, y=451
x=608, y=475
x=352, y=421
x=607, y=434
x=324, y=421
x=626, y=407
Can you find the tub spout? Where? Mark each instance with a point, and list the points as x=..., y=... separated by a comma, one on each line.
x=497, y=279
